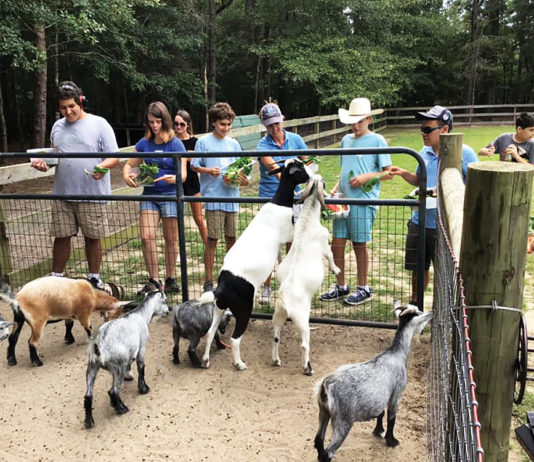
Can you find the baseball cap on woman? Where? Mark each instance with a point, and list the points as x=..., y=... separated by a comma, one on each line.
x=271, y=114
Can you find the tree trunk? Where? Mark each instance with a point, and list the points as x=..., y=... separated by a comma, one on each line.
x=473, y=55
x=3, y=127
x=39, y=97
x=212, y=52
x=16, y=106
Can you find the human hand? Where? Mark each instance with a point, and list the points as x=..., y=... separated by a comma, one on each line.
x=40, y=164
x=130, y=179
x=511, y=150
x=214, y=172
x=243, y=179
x=358, y=180
x=491, y=150
x=170, y=179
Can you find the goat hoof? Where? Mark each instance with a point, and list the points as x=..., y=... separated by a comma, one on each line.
x=176, y=360
x=240, y=366
x=128, y=377
x=89, y=423
x=144, y=390
x=122, y=409
x=12, y=361
x=69, y=340
x=392, y=442
x=276, y=362
x=205, y=364
x=37, y=363
x=378, y=433
x=307, y=371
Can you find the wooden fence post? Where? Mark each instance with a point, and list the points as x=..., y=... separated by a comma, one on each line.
x=492, y=262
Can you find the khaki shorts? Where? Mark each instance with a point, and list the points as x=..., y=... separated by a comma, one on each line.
x=217, y=220
x=68, y=216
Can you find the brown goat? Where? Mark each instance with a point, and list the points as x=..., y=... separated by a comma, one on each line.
x=50, y=299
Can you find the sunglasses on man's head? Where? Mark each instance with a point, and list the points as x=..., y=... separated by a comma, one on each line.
x=180, y=124
x=427, y=130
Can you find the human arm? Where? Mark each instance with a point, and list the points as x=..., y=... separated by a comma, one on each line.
x=270, y=164
x=406, y=175
x=512, y=151
x=171, y=179
x=487, y=151
x=127, y=175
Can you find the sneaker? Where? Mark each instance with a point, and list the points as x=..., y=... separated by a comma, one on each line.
x=96, y=283
x=208, y=286
x=337, y=292
x=265, y=297
x=150, y=286
x=171, y=287
x=360, y=295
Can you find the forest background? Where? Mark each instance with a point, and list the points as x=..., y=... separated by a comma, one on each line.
x=311, y=56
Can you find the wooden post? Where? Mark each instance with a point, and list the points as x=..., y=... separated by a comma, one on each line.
x=492, y=262
x=317, y=133
x=334, y=126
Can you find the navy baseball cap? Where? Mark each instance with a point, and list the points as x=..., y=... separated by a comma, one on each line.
x=436, y=113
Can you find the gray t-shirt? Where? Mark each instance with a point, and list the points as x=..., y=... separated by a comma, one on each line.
x=90, y=134
x=526, y=149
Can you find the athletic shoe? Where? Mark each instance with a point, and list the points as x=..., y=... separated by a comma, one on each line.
x=360, y=295
x=337, y=292
x=171, y=287
x=96, y=283
x=208, y=286
x=150, y=286
x=265, y=297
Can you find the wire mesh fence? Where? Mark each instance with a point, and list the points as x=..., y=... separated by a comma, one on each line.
x=453, y=425
x=27, y=248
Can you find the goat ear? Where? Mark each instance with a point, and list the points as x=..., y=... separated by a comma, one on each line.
x=398, y=312
x=275, y=171
x=409, y=309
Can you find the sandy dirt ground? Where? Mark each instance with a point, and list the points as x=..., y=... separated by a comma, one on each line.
x=220, y=414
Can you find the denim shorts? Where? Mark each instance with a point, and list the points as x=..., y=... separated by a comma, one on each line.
x=166, y=209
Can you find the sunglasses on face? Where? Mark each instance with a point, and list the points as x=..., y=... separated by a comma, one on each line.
x=428, y=130
x=180, y=124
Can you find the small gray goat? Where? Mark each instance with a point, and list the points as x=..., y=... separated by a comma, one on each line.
x=360, y=392
x=115, y=346
x=4, y=328
x=192, y=320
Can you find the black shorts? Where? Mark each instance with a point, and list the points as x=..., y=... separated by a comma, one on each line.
x=412, y=245
x=191, y=183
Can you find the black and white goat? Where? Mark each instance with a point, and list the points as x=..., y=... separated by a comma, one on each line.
x=361, y=392
x=252, y=258
x=301, y=272
x=192, y=320
x=116, y=345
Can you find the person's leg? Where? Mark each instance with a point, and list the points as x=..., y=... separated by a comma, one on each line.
x=209, y=258
x=196, y=210
x=362, y=262
x=149, y=221
x=170, y=235
x=60, y=254
x=230, y=229
x=93, y=253
x=338, y=250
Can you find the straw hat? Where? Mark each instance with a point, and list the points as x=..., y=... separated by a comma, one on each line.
x=359, y=109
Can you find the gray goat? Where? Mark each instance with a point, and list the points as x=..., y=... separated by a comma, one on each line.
x=115, y=346
x=4, y=328
x=192, y=320
x=360, y=392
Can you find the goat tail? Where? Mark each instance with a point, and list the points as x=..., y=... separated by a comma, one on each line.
x=8, y=296
x=207, y=297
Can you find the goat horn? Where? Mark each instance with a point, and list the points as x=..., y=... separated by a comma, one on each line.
x=307, y=191
x=321, y=186
x=114, y=290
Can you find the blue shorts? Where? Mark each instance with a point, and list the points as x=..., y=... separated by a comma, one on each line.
x=357, y=226
x=165, y=209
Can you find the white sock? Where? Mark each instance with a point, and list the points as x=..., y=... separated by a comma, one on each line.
x=59, y=275
x=94, y=275
x=367, y=288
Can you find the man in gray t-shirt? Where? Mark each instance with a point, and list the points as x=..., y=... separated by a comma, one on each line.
x=515, y=147
x=80, y=132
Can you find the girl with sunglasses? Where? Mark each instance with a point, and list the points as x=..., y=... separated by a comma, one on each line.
x=184, y=131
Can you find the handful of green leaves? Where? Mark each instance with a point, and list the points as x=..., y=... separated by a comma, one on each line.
x=370, y=184
x=96, y=169
x=242, y=165
x=147, y=174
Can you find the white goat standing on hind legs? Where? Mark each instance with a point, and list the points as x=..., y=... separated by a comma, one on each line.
x=360, y=392
x=301, y=272
x=116, y=345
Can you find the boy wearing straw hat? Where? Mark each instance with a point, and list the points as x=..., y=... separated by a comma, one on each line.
x=355, y=171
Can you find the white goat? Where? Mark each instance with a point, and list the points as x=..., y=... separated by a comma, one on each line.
x=50, y=299
x=252, y=258
x=361, y=392
x=301, y=272
x=115, y=346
